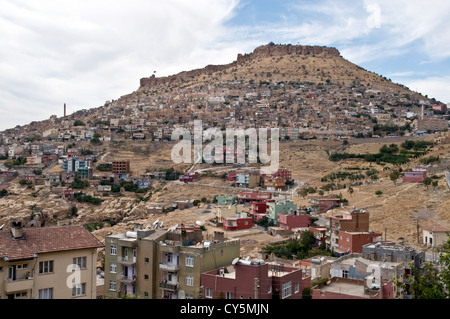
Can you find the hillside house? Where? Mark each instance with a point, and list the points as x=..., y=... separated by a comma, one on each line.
x=237, y=281
x=435, y=236
x=417, y=175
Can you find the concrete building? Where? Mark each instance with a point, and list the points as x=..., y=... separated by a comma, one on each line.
x=351, y=221
x=163, y=263
x=393, y=253
x=435, y=236
x=37, y=262
x=121, y=167
x=417, y=175
x=284, y=207
x=246, y=279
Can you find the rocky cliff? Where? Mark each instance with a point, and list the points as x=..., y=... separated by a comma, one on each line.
x=263, y=51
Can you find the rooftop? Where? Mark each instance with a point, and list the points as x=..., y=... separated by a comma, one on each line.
x=46, y=240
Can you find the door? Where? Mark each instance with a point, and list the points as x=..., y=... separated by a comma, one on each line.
x=12, y=273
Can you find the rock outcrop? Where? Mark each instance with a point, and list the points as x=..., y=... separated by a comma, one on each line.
x=264, y=51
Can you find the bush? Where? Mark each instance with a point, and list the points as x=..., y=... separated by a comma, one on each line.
x=378, y=193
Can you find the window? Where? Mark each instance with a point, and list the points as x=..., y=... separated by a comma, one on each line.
x=20, y=295
x=80, y=261
x=113, y=250
x=145, y=294
x=46, y=267
x=112, y=285
x=113, y=268
x=269, y=290
x=190, y=261
x=146, y=277
x=229, y=295
x=348, y=239
x=345, y=274
x=286, y=290
x=23, y=266
x=189, y=281
x=297, y=288
x=147, y=260
x=189, y=297
x=169, y=258
x=78, y=290
x=46, y=293
x=208, y=293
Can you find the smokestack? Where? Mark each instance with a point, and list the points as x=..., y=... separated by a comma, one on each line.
x=65, y=109
x=16, y=230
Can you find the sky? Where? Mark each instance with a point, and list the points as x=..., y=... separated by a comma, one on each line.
x=84, y=53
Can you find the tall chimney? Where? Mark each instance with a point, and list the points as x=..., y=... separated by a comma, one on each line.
x=65, y=109
x=16, y=230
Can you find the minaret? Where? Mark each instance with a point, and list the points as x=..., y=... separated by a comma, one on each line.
x=423, y=111
x=64, y=109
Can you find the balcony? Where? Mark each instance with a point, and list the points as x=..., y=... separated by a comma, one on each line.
x=169, y=267
x=126, y=279
x=126, y=261
x=168, y=286
x=17, y=285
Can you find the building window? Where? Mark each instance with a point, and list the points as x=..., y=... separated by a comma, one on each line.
x=20, y=295
x=190, y=261
x=208, y=293
x=113, y=268
x=286, y=290
x=297, y=288
x=145, y=294
x=113, y=250
x=78, y=290
x=80, y=261
x=189, y=281
x=146, y=277
x=229, y=295
x=112, y=285
x=269, y=290
x=46, y=293
x=189, y=297
x=348, y=239
x=345, y=274
x=147, y=260
x=46, y=267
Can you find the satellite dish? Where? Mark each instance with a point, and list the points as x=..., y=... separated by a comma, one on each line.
x=2, y=226
x=155, y=222
x=235, y=261
x=199, y=223
x=161, y=224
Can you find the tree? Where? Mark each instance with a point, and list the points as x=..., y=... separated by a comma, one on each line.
x=427, y=182
x=350, y=190
x=394, y=176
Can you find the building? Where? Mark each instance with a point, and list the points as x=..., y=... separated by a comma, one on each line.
x=294, y=220
x=351, y=221
x=246, y=279
x=352, y=242
x=284, y=207
x=250, y=179
x=121, y=167
x=189, y=177
x=435, y=236
x=432, y=123
x=345, y=288
x=284, y=173
x=226, y=200
x=37, y=262
x=253, y=196
x=274, y=183
x=163, y=263
x=417, y=175
x=321, y=205
x=393, y=253
x=85, y=173
x=74, y=164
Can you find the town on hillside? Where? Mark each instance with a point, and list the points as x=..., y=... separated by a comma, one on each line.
x=359, y=202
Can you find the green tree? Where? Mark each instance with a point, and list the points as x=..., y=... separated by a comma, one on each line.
x=394, y=176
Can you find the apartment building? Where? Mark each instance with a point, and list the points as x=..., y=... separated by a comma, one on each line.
x=121, y=167
x=163, y=263
x=247, y=279
x=351, y=221
x=41, y=263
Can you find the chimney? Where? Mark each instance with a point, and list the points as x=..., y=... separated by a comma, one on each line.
x=16, y=230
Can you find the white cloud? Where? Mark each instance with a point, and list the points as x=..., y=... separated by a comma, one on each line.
x=437, y=87
x=85, y=52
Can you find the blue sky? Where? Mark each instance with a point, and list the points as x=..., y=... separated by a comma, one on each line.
x=83, y=53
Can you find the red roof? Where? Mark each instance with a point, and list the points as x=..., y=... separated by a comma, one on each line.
x=437, y=229
x=46, y=240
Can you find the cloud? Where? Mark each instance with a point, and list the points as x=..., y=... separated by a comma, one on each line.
x=374, y=20
x=432, y=86
x=83, y=53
